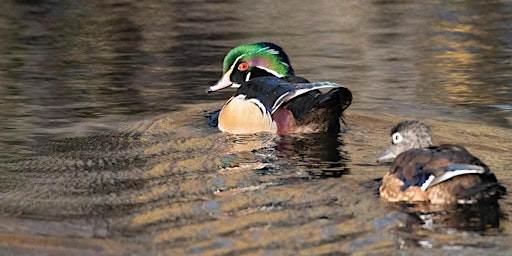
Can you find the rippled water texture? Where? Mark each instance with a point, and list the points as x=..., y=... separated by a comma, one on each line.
x=105, y=147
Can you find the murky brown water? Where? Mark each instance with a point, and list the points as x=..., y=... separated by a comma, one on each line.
x=105, y=148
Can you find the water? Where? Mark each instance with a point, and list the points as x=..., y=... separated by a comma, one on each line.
x=105, y=149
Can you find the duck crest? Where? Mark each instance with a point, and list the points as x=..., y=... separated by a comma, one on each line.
x=264, y=55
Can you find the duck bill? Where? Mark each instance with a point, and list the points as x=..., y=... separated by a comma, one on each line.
x=221, y=84
x=387, y=155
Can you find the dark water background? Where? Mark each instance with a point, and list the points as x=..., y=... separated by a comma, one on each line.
x=105, y=149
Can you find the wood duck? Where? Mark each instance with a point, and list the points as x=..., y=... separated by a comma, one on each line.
x=270, y=98
x=444, y=174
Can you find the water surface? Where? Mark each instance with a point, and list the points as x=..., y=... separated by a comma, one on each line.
x=105, y=148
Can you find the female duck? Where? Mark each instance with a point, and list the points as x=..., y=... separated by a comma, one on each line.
x=440, y=175
x=270, y=98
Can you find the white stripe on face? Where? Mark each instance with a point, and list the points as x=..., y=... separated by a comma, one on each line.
x=225, y=80
x=234, y=63
x=274, y=73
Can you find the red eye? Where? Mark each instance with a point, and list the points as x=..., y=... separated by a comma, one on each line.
x=243, y=66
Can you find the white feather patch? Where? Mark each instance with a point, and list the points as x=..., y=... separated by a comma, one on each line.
x=260, y=105
x=301, y=89
x=279, y=102
x=468, y=169
x=264, y=113
x=267, y=49
x=427, y=183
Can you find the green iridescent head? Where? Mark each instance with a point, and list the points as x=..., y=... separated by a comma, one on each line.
x=245, y=62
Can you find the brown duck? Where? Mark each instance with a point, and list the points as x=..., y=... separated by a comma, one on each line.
x=441, y=174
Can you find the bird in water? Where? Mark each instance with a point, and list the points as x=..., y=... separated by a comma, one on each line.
x=270, y=98
x=443, y=174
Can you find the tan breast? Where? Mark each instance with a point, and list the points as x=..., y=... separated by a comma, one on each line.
x=240, y=116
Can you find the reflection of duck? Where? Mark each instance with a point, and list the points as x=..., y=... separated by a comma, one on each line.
x=429, y=225
x=439, y=175
x=479, y=216
x=270, y=98
x=320, y=155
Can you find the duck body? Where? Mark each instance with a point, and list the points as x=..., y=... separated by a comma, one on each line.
x=270, y=104
x=443, y=174
x=270, y=98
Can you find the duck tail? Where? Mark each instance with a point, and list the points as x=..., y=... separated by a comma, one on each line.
x=324, y=109
x=341, y=97
x=487, y=190
x=337, y=100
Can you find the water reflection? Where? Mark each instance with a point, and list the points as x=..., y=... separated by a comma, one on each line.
x=467, y=46
x=479, y=217
x=321, y=154
x=172, y=184
x=429, y=227
x=162, y=173
x=442, y=59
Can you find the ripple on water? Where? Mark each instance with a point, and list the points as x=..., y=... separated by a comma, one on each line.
x=177, y=186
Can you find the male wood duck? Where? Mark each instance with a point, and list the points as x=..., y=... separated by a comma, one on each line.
x=442, y=174
x=270, y=98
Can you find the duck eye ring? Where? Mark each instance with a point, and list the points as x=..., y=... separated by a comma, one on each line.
x=396, y=137
x=243, y=66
